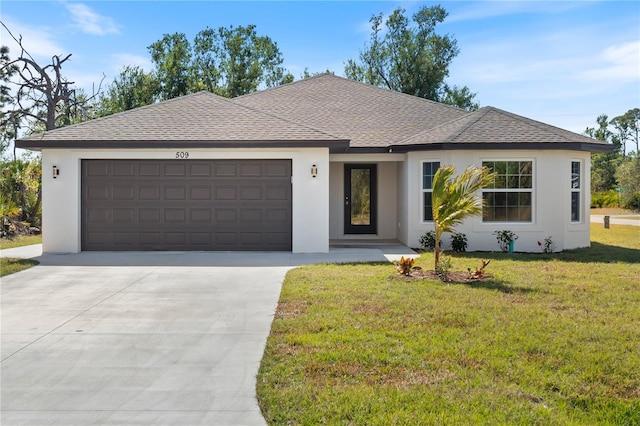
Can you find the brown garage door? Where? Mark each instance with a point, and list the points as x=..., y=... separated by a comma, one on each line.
x=186, y=205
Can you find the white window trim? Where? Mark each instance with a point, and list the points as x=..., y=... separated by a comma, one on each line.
x=534, y=173
x=579, y=190
x=422, y=190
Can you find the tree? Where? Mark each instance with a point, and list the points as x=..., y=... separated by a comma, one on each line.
x=628, y=127
x=633, y=118
x=172, y=58
x=229, y=61
x=454, y=199
x=461, y=97
x=132, y=88
x=628, y=176
x=7, y=119
x=621, y=125
x=43, y=96
x=603, y=167
x=306, y=74
x=21, y=187
x=411, y=59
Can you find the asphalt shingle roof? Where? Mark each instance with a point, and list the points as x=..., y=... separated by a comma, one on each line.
x=201, y=116
x=325, y=110
x=493, y=125
x=367, y=115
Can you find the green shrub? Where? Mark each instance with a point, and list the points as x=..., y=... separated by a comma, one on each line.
x=458, y=242
x=633, y=203
x=604, y=199
x=428, y=240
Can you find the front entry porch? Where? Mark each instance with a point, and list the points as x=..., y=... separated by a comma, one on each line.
x=363, y=201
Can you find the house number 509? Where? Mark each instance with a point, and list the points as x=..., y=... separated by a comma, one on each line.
x=182, y=154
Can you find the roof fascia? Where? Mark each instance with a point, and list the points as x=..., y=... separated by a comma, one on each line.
x=335, y=146
x=571, y=146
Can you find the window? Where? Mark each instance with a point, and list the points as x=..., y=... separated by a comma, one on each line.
x=428, y=171
x=575, y=191
x=510, y=198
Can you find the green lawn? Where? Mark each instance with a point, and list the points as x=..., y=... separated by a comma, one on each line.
x=549, y=339
x=9, y=265
x=23, y=240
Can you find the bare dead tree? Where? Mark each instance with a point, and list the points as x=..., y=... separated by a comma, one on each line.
x=43, y=95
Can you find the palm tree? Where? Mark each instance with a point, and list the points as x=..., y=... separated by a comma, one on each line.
x=454, y=198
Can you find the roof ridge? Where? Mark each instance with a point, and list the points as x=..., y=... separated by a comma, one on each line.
x=345, y=79
x=232, y=100
x=475, y=116
x=439, y=126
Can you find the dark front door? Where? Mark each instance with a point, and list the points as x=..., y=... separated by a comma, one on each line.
x=360, y=199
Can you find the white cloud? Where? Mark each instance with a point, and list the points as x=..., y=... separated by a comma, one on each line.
x=39, y=42
x=91, y=22
x=620, y=62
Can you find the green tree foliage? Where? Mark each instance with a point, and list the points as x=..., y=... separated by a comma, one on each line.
x=603, y=166
x=132, y=88
x=618, y=169
x=229, y=61
x=628, y=176
x=21, y=191
x=410, y=57
x=172, y=58
x=632, y=124
x=454, y=198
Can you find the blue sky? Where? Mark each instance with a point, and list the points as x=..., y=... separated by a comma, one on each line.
x=563, y=63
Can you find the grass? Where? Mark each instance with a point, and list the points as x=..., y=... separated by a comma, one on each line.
x=549, y=339
x=10, y=265
x=22, y=240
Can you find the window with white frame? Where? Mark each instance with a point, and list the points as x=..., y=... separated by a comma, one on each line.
x=429, y=169
x=510, y=197
x=576, y=190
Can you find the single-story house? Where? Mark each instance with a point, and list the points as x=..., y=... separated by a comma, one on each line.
x=299, y=166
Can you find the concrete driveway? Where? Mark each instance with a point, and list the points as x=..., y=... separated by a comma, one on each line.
x=142, y=338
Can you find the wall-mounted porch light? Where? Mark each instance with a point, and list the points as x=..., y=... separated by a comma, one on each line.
x=314, y=171
x=56, y=171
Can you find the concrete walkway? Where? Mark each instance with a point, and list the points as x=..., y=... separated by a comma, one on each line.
x=142, y=338
x=371, y=253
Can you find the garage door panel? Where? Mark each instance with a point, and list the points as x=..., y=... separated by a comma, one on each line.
x=123, y=192
x=123, y=238
x=200, y=169
x=149, y=168
x=200, y=193
x=97, y=169
x=174, y=193
x=225, y=169
x=186, y=205
x=125, y=168
x=276, y=170
x=123, y=216
x=251, y=193
x=251, y=169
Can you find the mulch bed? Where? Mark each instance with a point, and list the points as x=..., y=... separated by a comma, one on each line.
x=457, y=277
